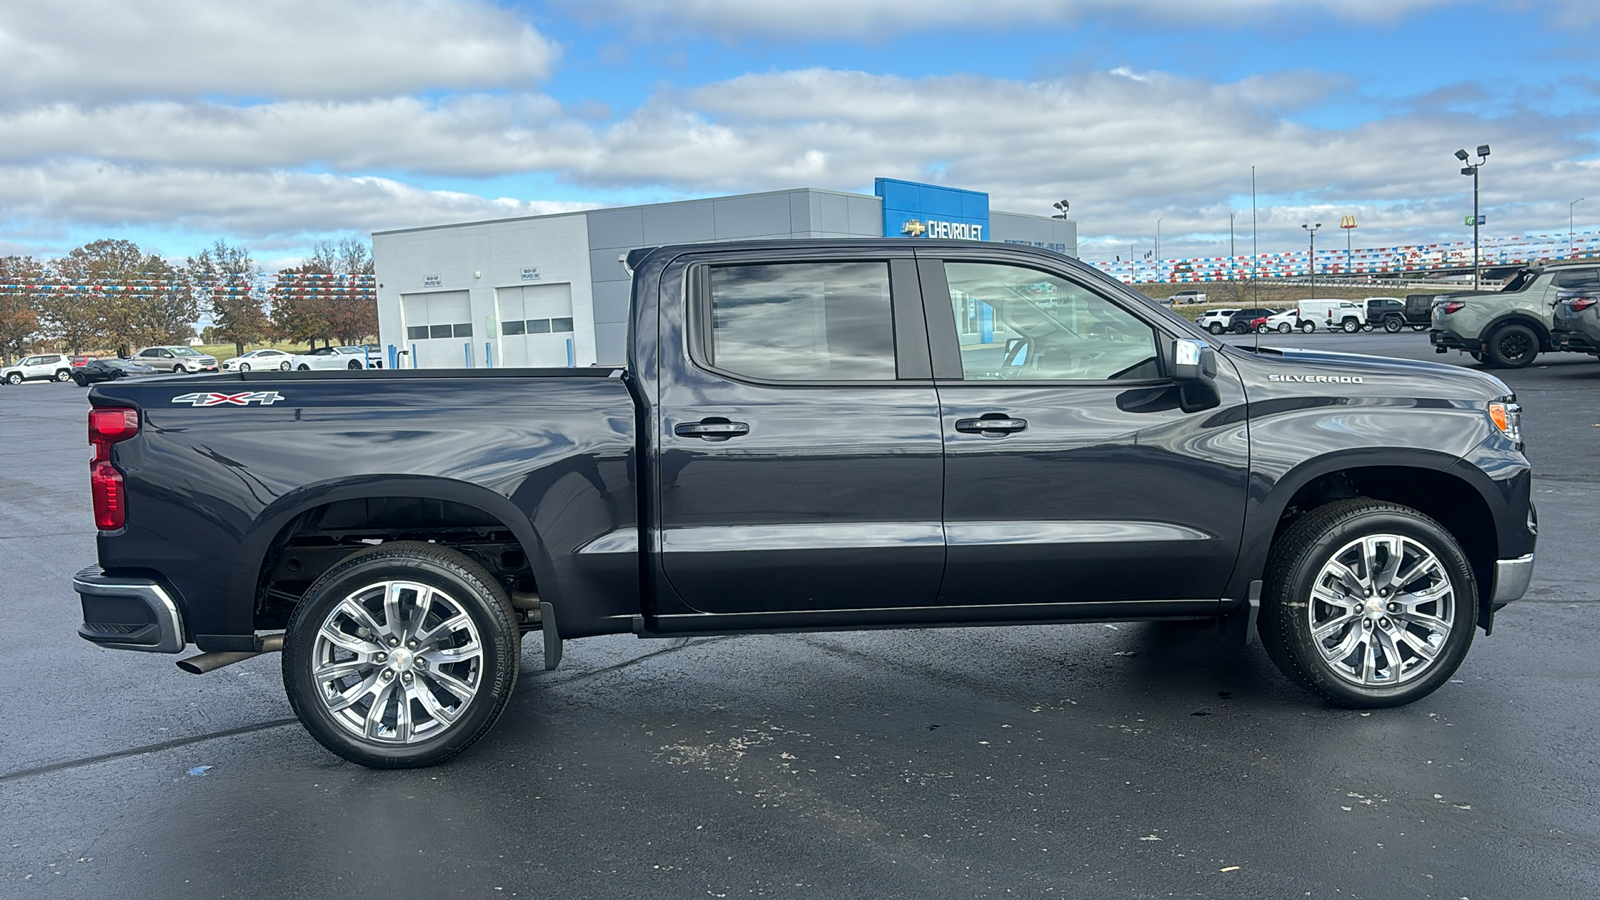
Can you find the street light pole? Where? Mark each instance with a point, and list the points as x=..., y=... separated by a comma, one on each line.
x=1472, y=169
x=1312, y=262
x=1232, y=256
x=1571, y=244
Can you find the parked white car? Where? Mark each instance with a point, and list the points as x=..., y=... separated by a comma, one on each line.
x=172, y=358
x=1287, y=321
x=1216, y=321
x=332, y=358
x=267, y=358
x=1186, y=297
x=51, y=366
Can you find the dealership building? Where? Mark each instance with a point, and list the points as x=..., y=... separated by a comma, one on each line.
x=552, y=290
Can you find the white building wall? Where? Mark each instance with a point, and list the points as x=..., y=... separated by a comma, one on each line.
x=480, y=258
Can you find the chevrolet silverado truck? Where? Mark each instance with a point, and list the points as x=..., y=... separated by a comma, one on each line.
x=806, y=436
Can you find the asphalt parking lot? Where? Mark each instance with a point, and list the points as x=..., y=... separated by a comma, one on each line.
x=1135, y=761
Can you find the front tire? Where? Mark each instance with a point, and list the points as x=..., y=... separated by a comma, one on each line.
x=1512, y=346
x=244, y=367
x=401, y=655
x=283, y=366
x=304, y=368
x=14, y=378
x=80, y=381
x=1369, y=604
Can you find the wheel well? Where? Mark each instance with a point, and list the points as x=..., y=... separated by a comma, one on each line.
x=1448, y=500
x=317, y=539
x=1540, y=330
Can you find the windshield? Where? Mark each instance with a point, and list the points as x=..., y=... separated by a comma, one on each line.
x=1521, y=280
x=183, y=351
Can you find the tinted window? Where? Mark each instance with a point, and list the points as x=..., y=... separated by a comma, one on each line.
x=562, y=324
x=1017, y=323
x=1582, y=278
x=538, y=326
x=802, y=321
x=514, y=326
x=439, y=331
x=463, y=329
x=417, y=333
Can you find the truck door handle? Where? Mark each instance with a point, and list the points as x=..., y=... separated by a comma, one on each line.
x=991, y=424
x=711, y=429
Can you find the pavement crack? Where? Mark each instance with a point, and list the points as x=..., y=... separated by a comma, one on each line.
x=20, y=774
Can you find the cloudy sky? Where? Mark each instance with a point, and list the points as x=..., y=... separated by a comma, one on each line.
x=276, y=123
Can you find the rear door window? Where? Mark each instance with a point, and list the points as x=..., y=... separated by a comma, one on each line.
x=807, y=321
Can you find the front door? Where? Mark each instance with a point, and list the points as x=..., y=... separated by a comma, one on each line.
x=800, y=457
x=1072, y=474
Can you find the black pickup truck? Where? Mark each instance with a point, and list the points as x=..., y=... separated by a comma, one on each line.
x=807, y=435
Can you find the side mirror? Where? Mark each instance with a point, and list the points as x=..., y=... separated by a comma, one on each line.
x=1193, y=367
x=1191, y=360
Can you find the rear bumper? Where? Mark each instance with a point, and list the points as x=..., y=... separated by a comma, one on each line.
x=1573, y=341
x=1444, y=340
x=128, y=613
x=1511, y=579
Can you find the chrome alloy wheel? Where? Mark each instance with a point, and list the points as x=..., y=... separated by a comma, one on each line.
x=397, y=662
x=1380, y=610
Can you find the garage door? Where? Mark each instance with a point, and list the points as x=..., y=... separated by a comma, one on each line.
x=535, y=325
x=439, y=328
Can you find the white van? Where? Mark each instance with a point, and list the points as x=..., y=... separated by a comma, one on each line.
x=1331, y=314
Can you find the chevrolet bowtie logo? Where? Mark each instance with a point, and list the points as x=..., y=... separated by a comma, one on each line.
x=914, y=227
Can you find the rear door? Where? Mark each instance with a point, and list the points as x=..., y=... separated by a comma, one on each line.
x=800, y=462
x=1071, y=473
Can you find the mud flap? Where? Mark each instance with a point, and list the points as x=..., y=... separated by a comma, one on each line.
x=1239, y=626
x=552, y=635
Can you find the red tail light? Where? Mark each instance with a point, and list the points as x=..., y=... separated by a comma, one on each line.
x=1579, y=304
x=1452, y=306
x=106, y=427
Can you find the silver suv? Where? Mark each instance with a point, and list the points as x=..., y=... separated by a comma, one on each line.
x=173, y=358
x=55, y=366
x=1511, y=326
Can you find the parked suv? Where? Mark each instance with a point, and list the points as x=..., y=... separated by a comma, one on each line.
x=1388, y=313
x=1511, y=326
x=1242, y=321
x=176, y=359
x=45, y=366
x=1216, y=321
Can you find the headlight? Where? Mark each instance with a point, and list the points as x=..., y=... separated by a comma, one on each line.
x=1508, y=418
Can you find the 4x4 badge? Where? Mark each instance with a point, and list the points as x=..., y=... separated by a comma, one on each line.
x=212, y=398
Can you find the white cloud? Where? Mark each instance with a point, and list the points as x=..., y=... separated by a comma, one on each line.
x=95, y=50
x=250, y=204
x=868, y=18
x=1125, y=148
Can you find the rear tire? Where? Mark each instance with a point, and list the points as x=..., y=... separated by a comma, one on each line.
x=1512, y=346
x=401, y=655
x=64, y=375
x=1307, y=327
x=1216, y=328
x=1285, y=328
x=1350, y=326
x=1393, y=325
x=353, y=365
x=1369, y=604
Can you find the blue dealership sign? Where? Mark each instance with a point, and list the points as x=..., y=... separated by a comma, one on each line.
x=928, y=210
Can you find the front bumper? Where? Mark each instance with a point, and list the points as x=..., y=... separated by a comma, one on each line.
x=1511, y=579
x=128, y=613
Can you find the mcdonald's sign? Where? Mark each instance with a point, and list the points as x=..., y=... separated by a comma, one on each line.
x=1347, y=222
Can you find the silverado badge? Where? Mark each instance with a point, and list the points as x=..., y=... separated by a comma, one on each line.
x=214, y=398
